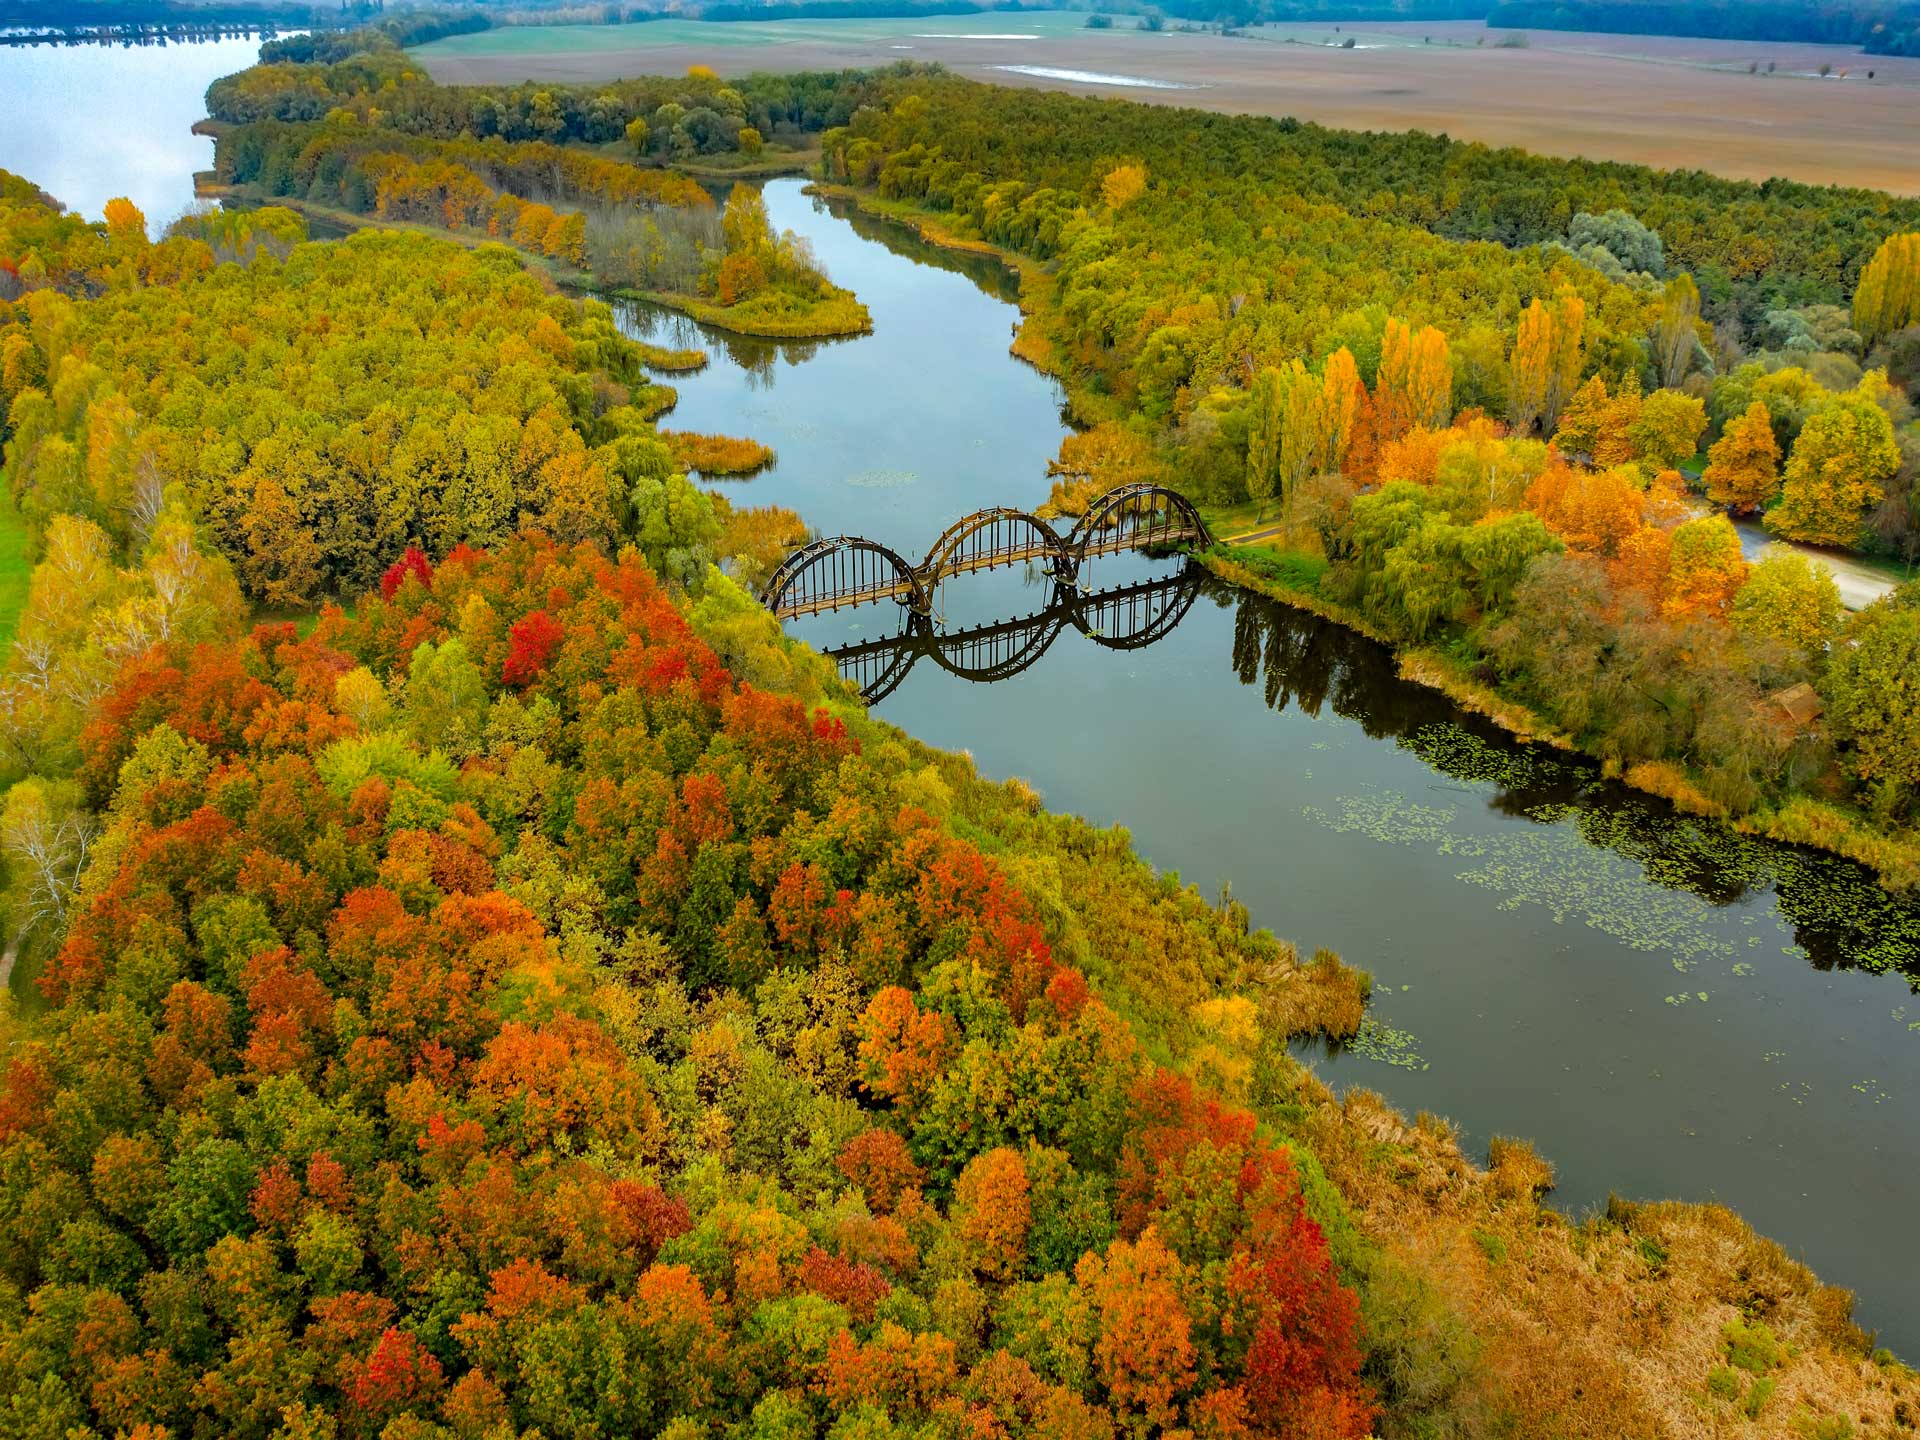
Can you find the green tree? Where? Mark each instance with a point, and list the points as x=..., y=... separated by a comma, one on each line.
x=675, y=527
x=1839, y=468
x=1263, y=437
x=1873, y=700
x=1789, y=598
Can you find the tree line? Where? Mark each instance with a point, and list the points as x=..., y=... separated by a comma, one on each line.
x=1889, y=27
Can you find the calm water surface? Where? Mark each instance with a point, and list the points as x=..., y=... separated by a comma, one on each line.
x=87, y=123
x=1670, y=1012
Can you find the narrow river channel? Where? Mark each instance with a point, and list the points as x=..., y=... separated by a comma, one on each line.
x=1667, y=1010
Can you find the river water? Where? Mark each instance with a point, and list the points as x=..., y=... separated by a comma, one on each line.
x=1667, y=1010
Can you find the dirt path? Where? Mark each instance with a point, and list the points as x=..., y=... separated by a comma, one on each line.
x=1860, y=584
x=1254, y=537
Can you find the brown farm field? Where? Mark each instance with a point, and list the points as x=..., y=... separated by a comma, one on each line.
x=1653, y=100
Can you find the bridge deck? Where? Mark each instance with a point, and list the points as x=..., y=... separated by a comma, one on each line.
x=834, y=600
x=997, y=558
x=850, y=570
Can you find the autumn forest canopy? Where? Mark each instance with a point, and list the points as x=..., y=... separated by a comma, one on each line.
x=488, y=983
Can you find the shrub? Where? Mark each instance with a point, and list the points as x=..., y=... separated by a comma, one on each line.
x=1751, y=1346
x=1516, y=1169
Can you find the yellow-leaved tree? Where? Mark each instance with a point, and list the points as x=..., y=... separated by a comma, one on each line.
x=1546, y=362
x=1705, y=568
x=1888, y=297
x=1743, y=466
x=1790, y=598
x=1839, y=467
x=1123, y=185
x=1414, y=386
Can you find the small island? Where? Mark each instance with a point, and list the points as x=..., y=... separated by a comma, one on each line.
x=760, y=283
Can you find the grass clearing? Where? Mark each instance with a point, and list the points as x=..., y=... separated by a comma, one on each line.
x=16, y=571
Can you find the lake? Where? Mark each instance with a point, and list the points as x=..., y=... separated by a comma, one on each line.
x=1667, y=1010
x=87, y=123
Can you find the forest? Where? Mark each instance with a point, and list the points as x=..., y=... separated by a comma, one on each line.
x=487, y=982
x=605, y=210
x=493, y=984
x=1494, y=396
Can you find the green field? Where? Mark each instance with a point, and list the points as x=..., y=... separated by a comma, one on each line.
x=15, y=571
x=569, y=39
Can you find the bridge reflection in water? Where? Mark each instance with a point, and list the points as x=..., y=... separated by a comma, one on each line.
x=851, y=570
x=1122, y=617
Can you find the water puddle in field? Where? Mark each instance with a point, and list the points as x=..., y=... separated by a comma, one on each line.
x=1096, y=77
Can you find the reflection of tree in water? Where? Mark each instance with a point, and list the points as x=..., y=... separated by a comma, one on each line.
x=1839, y=914
x=753, y=354
x=985, y=271
x=1301, y=659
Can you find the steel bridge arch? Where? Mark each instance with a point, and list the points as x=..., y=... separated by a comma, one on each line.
x=1148, y=611
x=847, y=570
x=989, y=539
x=1136, y=516
x=1031, y=638
x=842, y=570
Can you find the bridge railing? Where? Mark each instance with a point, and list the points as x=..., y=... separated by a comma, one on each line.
x=849, y=570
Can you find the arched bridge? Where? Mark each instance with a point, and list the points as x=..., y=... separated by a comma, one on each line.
x=851, y=570
x=1124, y=617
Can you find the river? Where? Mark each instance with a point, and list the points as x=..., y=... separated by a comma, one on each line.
x=1667, y=1010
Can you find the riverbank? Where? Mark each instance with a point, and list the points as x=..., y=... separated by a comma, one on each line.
x=1800, y=820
